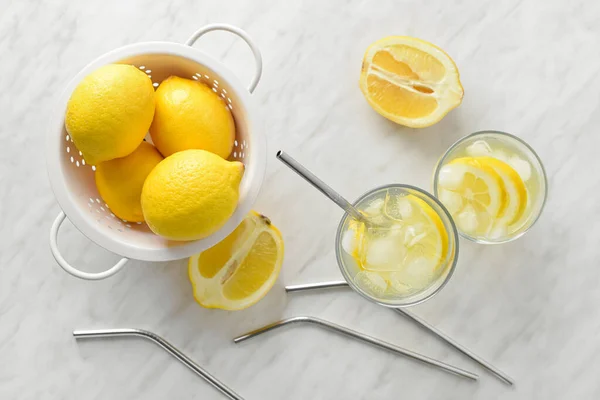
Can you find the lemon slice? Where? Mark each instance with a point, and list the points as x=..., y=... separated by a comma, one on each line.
x=422, y=225
x=428, y=238
x=423, y=242
x=410, y=81
x=473, y=192
x=516, y=192
x=240, y=270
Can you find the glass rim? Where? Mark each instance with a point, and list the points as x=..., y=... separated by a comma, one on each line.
x=454, y=233
x=440, y=163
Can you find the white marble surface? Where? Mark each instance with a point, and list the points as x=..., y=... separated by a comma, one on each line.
x=530, y=307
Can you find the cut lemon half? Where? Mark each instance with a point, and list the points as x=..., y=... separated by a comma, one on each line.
x=240, y=270
x=473, y=192
x=410, y=81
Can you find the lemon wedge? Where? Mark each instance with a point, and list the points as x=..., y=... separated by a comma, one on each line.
x=240, y=270
x=473, y=192
x=410, y=81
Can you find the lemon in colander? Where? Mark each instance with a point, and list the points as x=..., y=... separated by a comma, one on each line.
x=191, y=194
x=110, y=111
x=189, y=115
x=120, y=181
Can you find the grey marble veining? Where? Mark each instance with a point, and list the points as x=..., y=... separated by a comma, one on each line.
x=530, y=307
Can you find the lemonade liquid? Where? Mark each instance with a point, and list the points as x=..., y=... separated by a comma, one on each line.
x=404, y=248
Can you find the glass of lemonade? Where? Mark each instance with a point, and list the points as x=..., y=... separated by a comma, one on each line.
x=405, y=254
x=493, y=184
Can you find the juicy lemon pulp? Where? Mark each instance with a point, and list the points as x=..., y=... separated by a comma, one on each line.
x=410, y=81
x=484, y=195
x=255, y=269
x=240, y=270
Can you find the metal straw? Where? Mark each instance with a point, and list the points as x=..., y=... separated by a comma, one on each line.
x=103, y=333
x=359, y=336
x=320, y=185
x=419, y=321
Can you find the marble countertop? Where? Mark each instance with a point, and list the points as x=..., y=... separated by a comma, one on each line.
x=530, y=307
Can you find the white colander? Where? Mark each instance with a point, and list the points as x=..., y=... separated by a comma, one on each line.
x=72, y=180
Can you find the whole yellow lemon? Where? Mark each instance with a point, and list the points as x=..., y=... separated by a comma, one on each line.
x=110, y=111
x=120, y=181
x=191, y=194
x=189, y=115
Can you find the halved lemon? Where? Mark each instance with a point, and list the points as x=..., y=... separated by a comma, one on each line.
x=410, y=81
x=240, y=270
x=473, y=192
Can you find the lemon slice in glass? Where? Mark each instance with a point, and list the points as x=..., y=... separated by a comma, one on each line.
x=516, y=195
x=516, y=192
x=473, y=192
x=423, y=238
x=428, y=238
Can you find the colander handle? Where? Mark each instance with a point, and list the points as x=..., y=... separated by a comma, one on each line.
x=240, y=33
x=68, y=267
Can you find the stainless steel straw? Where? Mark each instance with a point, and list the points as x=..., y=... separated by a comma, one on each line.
x=320, y=185
x=419, y=321
x=103, y=333
x=359, y=336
